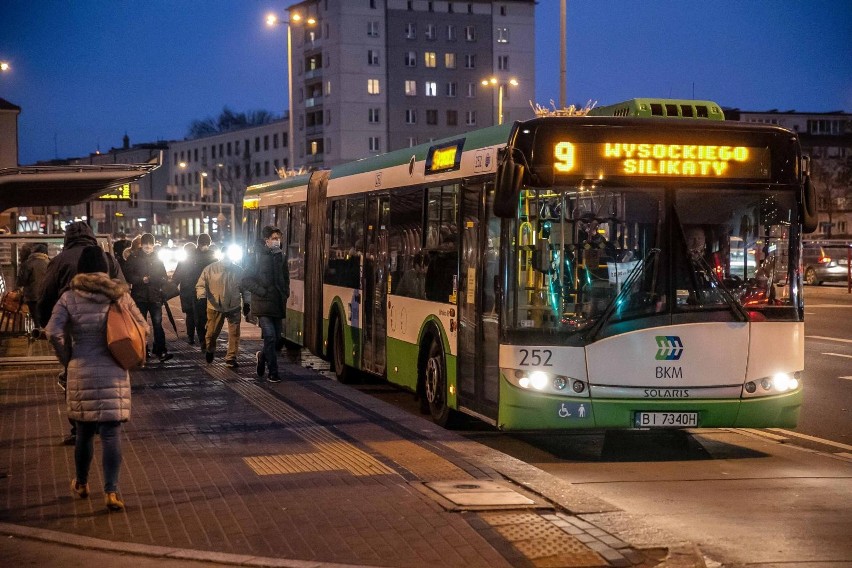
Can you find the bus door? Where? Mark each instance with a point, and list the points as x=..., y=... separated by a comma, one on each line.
x=375, y=284
x=478, y=323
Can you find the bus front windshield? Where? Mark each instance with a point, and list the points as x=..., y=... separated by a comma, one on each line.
x=582, y=258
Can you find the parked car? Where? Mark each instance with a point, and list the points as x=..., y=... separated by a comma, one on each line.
x=823, y=262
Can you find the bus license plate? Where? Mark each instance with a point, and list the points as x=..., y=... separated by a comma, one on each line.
x=666, y=419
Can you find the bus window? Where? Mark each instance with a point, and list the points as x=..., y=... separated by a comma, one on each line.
x=405, y=235
x=346, y=242
x=441, y=247
x=296, y=248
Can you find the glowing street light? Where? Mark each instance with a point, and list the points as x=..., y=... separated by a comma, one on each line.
x=295, y=18
x=4, y=66
x=493, y=81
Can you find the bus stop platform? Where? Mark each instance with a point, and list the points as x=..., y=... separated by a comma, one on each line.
x=222, y=468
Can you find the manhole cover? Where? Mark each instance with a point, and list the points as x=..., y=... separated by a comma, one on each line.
x=483, y=495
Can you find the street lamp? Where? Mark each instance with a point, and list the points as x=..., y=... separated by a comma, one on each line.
x=294, y=18
x=493, y=81
x=4, y=66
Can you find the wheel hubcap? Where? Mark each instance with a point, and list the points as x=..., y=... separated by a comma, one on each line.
x=432, y=378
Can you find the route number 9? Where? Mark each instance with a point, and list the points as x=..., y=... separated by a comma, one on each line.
x=563, y=154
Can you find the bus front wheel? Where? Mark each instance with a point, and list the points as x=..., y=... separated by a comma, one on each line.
x=338, y=358
x=435, y=385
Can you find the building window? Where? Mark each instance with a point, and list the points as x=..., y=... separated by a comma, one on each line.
x=411, y=88
x=410, y=59
x=372, y=29
x=470, y=61
x=266, y=168
x=266, y=143
x=431, y=116
x=502, y=10
x=372, y=4
x=450, y=60
x=375, y=144
x=274, y=142
x=431, y=88
x=503, y=62
x=373, y=116
x=452, y=118
x=410, y=31
x=430, y=31
x=256, y=146
x=471, y=90
x=212, y=150
x=410, y=116
x=451, y=88
x=470, y=118
x=451, y=31
x=470, y=33
x=430, y=60
x=502, y=35
x=372, y=57
x=373, y=87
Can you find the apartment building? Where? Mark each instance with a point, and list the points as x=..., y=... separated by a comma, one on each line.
x=827, y=138
x=370, y=76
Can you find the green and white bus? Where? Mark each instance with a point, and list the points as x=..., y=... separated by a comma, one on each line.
x=626, y=270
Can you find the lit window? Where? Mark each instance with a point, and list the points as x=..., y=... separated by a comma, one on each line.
x=431, y=89
x=373, y=87
x=450, y=60
x=430, y=59
x=502, y=35
x=411, y=88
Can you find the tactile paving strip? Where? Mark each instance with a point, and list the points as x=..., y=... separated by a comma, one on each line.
x=544, y=544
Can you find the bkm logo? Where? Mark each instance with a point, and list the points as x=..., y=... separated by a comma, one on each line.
x=669, y=347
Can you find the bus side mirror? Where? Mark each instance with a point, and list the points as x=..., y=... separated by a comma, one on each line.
x=809, y=210
x=508, y=187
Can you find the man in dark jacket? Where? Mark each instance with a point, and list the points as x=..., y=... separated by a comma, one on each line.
x=183, y=279
x=267, y=278
x=203, y=257
x=146, y=275
x=57, y=279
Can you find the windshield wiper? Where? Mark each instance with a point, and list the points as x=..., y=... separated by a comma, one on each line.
x=628, y=284
x=732, y=302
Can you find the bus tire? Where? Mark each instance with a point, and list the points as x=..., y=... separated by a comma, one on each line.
x=338, y=357
x=435, y=385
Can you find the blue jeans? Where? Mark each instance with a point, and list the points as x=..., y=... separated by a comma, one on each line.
x=85, y=448
x=270, y=331
x=156, y=311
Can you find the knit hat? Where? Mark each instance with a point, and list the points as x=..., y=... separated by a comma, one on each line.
x=147, y=239
x=92, y=259
x=204, y=240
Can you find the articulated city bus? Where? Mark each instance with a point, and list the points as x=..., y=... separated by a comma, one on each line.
x=635, y=267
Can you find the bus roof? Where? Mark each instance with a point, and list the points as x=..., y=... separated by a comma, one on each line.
x=667, y=108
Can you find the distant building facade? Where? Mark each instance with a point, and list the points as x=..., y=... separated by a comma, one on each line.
x=8, y=134
x=827, y=138
x=379, y=75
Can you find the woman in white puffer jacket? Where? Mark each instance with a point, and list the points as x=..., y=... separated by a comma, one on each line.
x=98, y=388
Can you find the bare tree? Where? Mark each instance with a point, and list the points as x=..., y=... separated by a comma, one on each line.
x=832, y=176
x=227, y=121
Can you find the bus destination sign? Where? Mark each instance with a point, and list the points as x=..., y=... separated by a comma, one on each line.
x=444, y=157
x=120, y=193
x=656, y=159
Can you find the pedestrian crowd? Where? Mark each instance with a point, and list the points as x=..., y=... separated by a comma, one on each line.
x=69, y=298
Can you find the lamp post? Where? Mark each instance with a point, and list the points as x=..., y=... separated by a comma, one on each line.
x=4, y=66
x=294, y=18
x=493, y=81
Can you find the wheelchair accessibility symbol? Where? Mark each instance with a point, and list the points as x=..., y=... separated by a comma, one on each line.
x=576, y=410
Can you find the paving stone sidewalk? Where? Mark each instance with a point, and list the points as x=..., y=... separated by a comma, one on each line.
x=305, y=470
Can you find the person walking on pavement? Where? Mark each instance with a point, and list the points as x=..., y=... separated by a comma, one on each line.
x=30, y=278
x=98, y=396
x=267, y=278
x=219, y=283
x=121, y=243
x=203, y=257
x=57, y=278
x=146, y=275
x=182, y=277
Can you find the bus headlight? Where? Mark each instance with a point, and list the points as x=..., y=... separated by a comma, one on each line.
x=545, y=382
x=778, y=383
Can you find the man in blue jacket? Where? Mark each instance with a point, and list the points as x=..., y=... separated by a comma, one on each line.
x=267, y=278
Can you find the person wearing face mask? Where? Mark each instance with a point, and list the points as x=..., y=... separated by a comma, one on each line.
x=267, y=278
x=146, y=275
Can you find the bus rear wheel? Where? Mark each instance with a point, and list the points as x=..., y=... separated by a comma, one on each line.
x=435, y=385
x=338, y=357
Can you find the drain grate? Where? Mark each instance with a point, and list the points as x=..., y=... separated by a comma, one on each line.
x=481, y=495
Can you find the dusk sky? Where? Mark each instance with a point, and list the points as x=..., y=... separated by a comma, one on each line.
x=85, y=72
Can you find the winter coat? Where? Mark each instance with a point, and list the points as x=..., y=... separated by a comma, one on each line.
x=220, y=284
x=140, y=265
x=98, y=389
x=63, y=267
x=32, y=274
x=182, y=277
x=267, y=278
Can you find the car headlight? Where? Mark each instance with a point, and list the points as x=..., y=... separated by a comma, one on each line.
x=164, y=255
x=234, y=253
